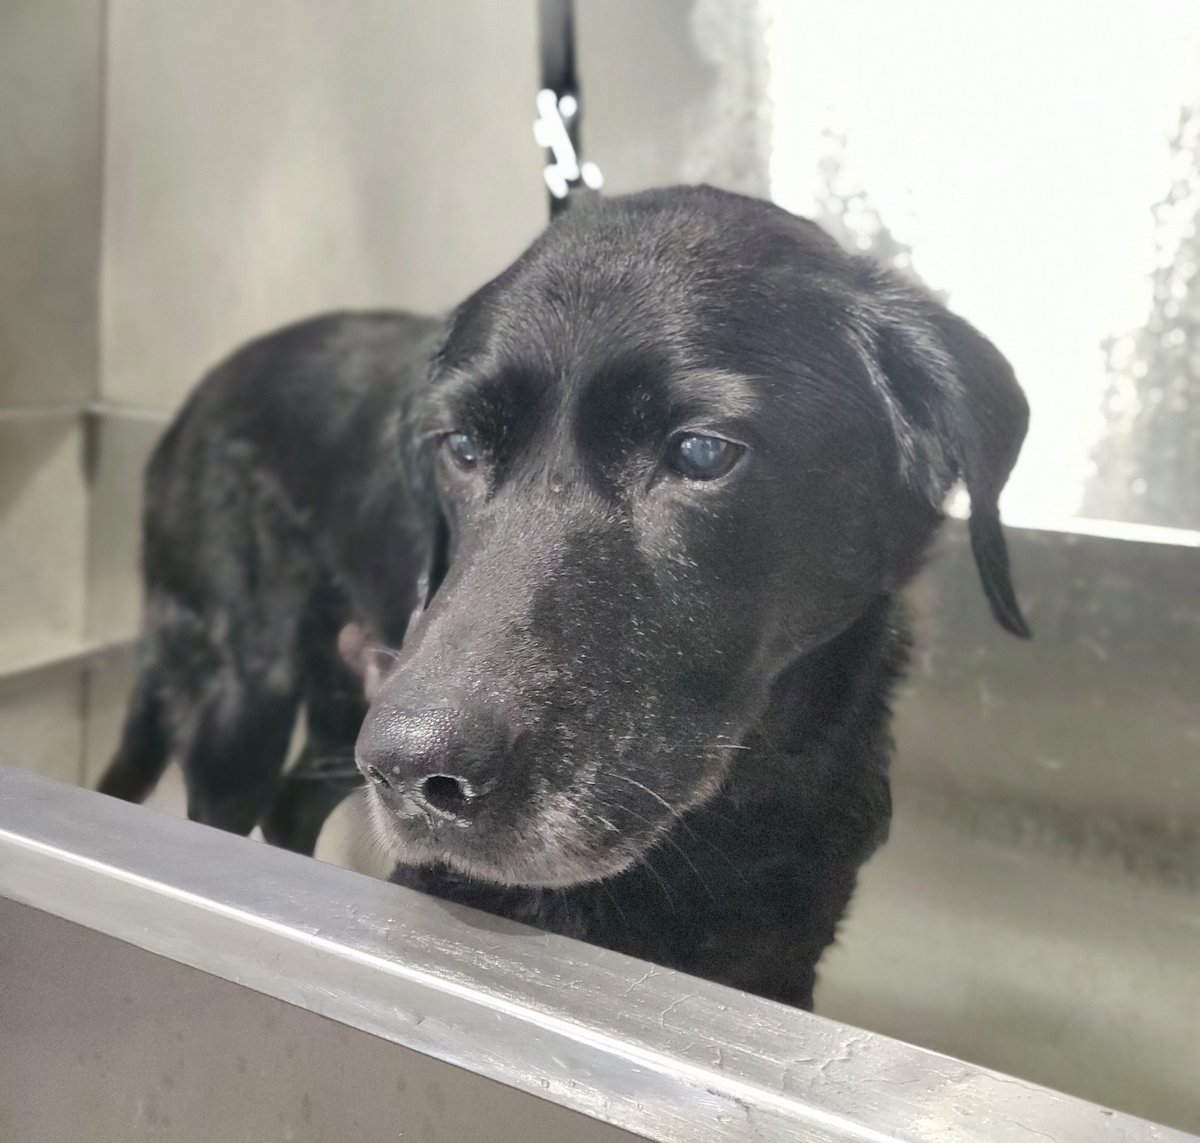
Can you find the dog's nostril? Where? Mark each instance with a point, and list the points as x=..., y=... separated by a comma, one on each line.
x=376, y=775
x=446, y=793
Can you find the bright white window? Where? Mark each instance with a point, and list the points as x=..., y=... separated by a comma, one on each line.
x=1018, y=151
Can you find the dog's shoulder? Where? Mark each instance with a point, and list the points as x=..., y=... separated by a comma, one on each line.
x=304, y=392
x=328, y=358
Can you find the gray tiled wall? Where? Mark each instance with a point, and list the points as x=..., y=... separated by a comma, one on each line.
x=43, y=529
x=41, y=721
x=50, y=189
x=50, y=58
x=269, y=160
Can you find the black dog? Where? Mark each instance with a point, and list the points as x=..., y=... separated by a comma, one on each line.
x=648, y=513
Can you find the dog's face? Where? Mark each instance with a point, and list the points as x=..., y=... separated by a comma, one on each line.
x=682, y=442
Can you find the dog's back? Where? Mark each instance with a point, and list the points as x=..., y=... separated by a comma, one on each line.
x=278, y=505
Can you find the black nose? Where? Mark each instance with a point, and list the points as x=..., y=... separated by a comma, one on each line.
x=442, y=759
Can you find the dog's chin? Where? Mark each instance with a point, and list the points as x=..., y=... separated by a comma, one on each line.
x=549, y=854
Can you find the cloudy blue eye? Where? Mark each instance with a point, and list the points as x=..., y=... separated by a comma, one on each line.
x=701, y=457
x=461, y=450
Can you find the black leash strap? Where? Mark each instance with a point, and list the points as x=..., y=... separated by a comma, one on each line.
x=556, y=128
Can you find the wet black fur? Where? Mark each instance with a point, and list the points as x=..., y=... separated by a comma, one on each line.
x=676, y=693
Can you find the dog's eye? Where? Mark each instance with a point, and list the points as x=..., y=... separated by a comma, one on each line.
x=701, y=457
x=461, y=450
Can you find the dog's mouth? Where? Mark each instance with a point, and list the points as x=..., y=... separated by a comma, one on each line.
x=524, y=801
x=559, y=846
x=538, y=834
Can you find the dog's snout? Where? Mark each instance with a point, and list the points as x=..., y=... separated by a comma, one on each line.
x=439, y=759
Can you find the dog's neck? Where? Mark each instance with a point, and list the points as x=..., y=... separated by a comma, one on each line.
x=841, y=688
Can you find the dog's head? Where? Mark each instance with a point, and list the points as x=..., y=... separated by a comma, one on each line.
x=681, y=443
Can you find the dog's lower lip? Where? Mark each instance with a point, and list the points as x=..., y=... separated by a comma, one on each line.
x=420, y=839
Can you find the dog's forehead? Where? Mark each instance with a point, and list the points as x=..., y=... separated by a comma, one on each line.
x=678, y=266
x=645, y=313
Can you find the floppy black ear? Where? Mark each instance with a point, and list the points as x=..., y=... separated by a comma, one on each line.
x=439, y=561
x=436, y=565
x=959, y=414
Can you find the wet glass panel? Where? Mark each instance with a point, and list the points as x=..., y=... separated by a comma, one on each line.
x=1040, y=168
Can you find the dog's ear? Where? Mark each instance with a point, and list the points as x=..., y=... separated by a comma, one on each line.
x=359, y=648
x=958, y=413
x=438, y=564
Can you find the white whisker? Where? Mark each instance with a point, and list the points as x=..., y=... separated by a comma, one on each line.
x=377, y=649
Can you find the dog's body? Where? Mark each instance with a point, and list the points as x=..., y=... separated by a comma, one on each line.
x=651, y=506
x=278, y=508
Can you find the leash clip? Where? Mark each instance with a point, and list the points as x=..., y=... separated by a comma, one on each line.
x=554, y=130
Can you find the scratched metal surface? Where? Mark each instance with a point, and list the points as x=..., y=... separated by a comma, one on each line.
x=108, y=1043
x=1087, y=737
x=634, y=1047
